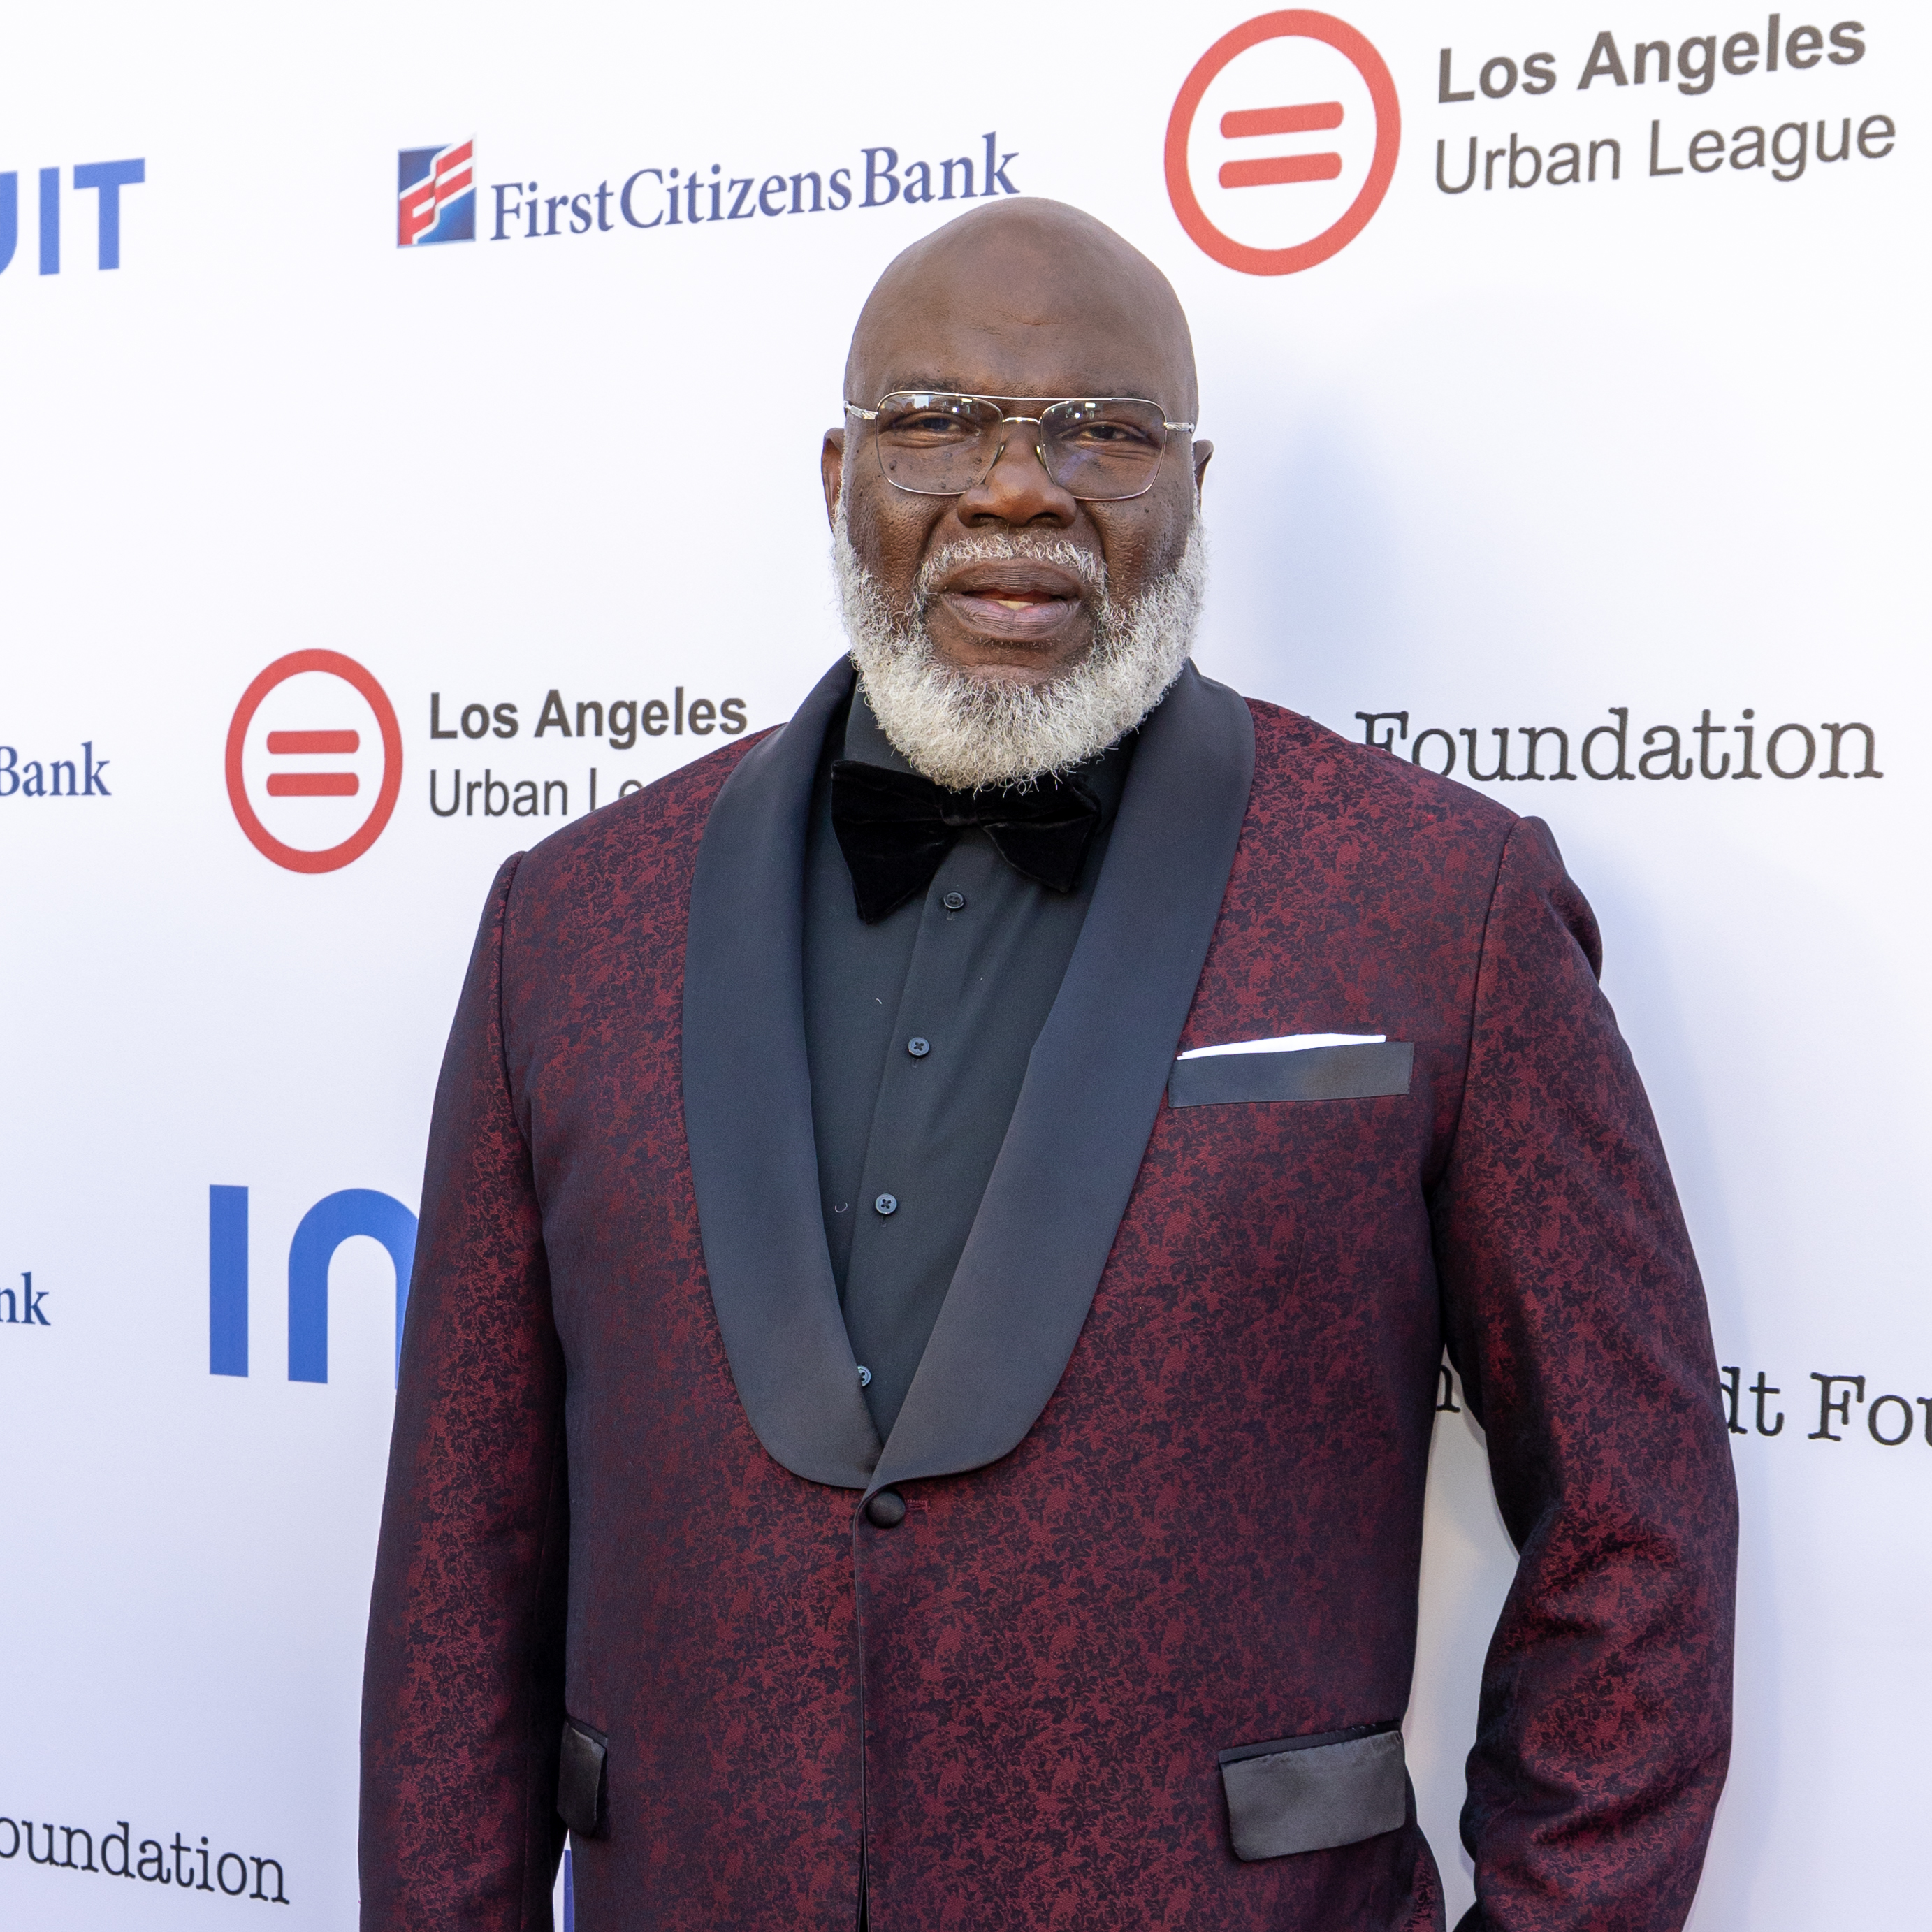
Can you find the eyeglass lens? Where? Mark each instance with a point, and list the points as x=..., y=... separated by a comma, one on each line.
x=940, y=445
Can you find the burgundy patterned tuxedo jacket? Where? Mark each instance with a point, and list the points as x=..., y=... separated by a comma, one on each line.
x=1136, y=1653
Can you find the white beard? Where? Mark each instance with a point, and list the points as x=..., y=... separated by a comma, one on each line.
x=965, y=732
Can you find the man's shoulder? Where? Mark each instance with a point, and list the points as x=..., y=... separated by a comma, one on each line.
x=1308, y=774
x=643, y=842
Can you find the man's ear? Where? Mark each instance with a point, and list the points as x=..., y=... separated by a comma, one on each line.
x=1202, y=450
x=832, y=470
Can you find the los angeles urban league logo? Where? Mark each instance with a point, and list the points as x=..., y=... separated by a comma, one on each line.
x=1295, y=73
x=314, y=761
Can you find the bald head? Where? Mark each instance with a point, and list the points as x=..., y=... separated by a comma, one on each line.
x=1023, y=298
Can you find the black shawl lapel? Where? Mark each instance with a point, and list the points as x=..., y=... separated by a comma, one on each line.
x=1094, y=1085
x=748, y=1111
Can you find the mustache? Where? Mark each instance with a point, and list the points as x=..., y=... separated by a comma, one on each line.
x=1006, y=547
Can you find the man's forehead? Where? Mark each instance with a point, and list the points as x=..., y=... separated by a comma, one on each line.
x=999, y=356
x=1029, y=299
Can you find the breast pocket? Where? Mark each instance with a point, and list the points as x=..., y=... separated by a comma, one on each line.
x=1313, y=1794
x=1364, y=1073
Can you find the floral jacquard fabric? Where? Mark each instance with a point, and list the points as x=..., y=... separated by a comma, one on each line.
x=1010, y=1704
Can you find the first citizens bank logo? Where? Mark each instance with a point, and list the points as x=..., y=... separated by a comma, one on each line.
x=436, y=195
x=436, y=189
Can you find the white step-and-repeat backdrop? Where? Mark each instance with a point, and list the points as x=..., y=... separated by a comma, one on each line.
x=411, y=423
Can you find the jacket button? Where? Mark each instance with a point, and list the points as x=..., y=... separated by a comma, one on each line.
x=886, y=1510
x=918, y=1047
x=887, y=1204
x=954, y=902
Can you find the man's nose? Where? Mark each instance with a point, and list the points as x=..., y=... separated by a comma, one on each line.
x=1017, y=489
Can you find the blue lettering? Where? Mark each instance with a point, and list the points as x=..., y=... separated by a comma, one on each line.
x=331, y=1221
x=228, y=1281
x=624, y=198
x=50, y=221
x=877, y=176
x=996, y=177
x=108, y=179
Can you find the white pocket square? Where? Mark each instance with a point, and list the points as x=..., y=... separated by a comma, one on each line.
x=1287, y=1043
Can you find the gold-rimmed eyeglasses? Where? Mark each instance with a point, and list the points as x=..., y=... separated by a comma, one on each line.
x=1100, y=449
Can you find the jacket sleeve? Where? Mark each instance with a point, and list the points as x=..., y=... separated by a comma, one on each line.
x=462, y=1696
x=1576, y=1317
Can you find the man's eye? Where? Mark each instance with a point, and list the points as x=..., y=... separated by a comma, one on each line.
x=1108, y=436
x=932, y=424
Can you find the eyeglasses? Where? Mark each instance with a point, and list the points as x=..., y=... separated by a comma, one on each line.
x=1101, y=449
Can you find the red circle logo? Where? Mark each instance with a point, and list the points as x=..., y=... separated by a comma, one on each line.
x=313, y=761
x=1280, y=77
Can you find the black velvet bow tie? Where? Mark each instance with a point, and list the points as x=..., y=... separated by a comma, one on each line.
x=895, y=827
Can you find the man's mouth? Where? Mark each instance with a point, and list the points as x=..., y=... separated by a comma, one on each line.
x=1019, y=599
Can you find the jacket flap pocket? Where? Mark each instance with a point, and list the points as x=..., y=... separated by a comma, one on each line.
x=580, y=1779
x=1364, y=1073
x=1298, y=1798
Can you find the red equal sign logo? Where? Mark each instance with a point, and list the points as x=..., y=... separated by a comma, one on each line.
x=1280, y=170
x=311, y=745
x=314, y=704
x=1330, y=80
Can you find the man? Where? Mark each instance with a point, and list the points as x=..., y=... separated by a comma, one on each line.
x=940, y=1229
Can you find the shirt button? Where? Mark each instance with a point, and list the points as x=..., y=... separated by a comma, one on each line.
x=886, y=1510
x=887, y=1204
x=918, y=1047
x=954, y=902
